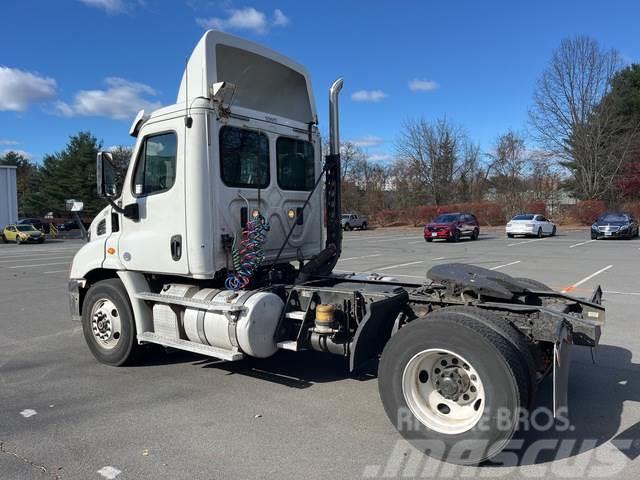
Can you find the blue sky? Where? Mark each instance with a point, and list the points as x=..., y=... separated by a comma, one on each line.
x=71, y=65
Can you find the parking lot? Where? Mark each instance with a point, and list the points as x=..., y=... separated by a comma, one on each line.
x=178, y=415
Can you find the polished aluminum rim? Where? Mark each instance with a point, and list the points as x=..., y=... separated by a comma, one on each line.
x=443, y=391
x=105, y=323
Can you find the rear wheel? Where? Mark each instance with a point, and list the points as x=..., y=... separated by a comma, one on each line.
x=553, y=232
x=364, y=226
x=539, y=234
x=107, y=323
x=443, y=379
x=18, y=241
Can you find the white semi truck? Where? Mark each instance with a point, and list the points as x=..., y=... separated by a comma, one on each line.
x=223, y=239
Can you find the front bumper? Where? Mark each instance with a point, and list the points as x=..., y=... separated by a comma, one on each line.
x=429, y=234
x=74, y=298
x=617, y=234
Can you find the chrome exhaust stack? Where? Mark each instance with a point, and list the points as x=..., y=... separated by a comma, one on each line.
x=334, y=117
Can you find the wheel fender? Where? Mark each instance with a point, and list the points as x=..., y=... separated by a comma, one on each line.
x=135, y=282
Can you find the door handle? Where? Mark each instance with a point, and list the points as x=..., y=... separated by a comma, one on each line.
x=176, y=247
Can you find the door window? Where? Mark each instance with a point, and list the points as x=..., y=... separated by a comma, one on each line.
x=156, y=167
x=244, y=158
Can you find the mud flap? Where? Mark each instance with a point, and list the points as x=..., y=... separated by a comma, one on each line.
x=561, y=364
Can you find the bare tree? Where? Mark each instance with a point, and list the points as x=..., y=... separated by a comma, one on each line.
x=573, y=117
x=432, y=154
x=509, y=165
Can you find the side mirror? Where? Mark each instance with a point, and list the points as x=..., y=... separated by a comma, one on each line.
x=106, y=175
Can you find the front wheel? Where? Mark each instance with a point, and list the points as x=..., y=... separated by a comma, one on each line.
x=442, y=381
x=18, y=241
x=539, y=235
x=553, y=232
x=455, y=237
x=347, y=227
x=107, y=323
x=475, y=234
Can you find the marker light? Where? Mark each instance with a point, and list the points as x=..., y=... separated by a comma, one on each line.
x=291, y=213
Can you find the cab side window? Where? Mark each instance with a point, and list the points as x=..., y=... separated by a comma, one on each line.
x=156, y=166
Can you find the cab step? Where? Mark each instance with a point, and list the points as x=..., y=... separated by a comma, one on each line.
x=177, y=343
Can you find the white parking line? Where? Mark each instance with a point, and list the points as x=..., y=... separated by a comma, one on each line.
x=39, y=265
x=39, y=258
x=581, y=243
x=358, y=258
x=439, y=258
x=390, y=267
x=526, y=241
x=25, y=252
x=58, y=271
x=505, y=265
x=391, y=239
x=586, y=279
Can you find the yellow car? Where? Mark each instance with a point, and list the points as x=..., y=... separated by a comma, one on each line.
x=22, y=234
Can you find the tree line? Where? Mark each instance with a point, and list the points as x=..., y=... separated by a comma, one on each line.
x=582, y=141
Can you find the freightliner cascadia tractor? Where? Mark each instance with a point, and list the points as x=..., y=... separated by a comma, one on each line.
x=223, y=237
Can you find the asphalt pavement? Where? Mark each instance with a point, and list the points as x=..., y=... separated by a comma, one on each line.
x=180, y=415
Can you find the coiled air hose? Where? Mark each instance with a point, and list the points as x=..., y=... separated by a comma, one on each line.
x=247, y=255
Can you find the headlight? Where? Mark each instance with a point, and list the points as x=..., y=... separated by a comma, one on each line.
x=624, y=227
x=508, y=225
x=594, y=227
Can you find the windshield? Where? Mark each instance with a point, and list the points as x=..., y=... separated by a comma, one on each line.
x=25, y=228
x=345, y=216
x=446, y=218
x=523, y=217
x=614, y=217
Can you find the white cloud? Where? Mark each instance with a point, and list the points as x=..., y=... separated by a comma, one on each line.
x=379, y=157
x=368, y=141
x=368, y=96
x=416, y=85
x=120, y=101
x=110, y=6
x=280, y=19
x=18, y=89
x=245, y=19
x=6, y=141
x=27, y=155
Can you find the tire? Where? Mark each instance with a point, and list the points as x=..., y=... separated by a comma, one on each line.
x=553, y=232
x=594, y=237
x=429, y=240
x=502, y=368
x=41, y=240
x=347, y=227
x=114, y=351
x=364, y=226
x=18, y=241
x=510, y=235
x=475, y=234
x=4, y=239
x=456, y=236
x=539, y=234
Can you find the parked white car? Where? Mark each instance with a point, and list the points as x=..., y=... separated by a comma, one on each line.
x=530, y=224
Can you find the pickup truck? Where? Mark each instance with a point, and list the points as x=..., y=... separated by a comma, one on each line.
x=349, y=221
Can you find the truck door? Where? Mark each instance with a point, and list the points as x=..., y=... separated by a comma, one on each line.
x=156, y=241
